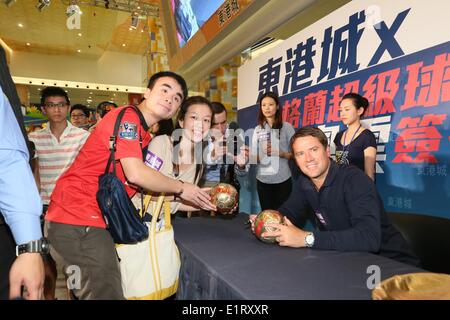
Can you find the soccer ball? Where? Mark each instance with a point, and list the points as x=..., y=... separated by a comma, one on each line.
x=264, y=217
x=224, y=196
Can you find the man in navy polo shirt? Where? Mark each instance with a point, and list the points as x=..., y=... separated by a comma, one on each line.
x=348, y=212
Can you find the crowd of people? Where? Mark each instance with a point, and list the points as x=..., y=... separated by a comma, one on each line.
x=200, y=150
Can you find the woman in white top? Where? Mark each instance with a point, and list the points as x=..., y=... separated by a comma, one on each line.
x=270, y=144
x=180, y=156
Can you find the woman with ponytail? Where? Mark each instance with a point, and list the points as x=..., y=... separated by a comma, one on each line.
x=355, y=145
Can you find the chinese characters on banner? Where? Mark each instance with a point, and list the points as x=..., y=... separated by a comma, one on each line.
x=339, y=55
x=417, y=137
x=408, y=93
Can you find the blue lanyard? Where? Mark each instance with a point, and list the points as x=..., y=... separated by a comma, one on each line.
x=345, y=134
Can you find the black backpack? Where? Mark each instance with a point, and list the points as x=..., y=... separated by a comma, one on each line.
x=121, y=216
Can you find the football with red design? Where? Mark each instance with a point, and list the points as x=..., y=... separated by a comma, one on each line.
x=262, y=219
x=224, y=196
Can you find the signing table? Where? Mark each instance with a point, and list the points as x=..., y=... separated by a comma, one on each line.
x=222, y=259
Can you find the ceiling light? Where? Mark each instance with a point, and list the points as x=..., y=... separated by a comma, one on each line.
x=28, y=44
x=20, y=25
x=79, y=34
x=134, y=20
x=79, y=50
x=123, y=44
x=9, y=2
x=42, y=4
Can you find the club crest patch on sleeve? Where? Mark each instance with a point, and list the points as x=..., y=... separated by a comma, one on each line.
x=128, y=131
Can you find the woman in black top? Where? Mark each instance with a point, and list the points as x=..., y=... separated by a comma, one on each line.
x=355, y=145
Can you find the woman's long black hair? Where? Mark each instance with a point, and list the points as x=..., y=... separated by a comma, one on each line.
x=261, y=118
x=180, y=116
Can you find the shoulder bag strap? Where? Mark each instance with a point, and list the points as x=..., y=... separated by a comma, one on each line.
x=156, y=211
x=146, y=128
x=144, y=208
x=160, y=201
x=113, y=139
x=167, y=216
x=112, y=142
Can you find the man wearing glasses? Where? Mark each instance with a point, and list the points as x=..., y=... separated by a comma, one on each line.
x=79, y=116
x=57, y=146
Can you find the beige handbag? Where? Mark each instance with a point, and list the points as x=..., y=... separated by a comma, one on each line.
x=150, y=269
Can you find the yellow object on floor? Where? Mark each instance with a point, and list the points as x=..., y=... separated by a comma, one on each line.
x=414, y=286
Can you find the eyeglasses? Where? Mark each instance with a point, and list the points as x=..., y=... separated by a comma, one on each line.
x=54, y=105
x=78, y=116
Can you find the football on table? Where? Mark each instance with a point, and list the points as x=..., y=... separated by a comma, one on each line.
x=261, y=221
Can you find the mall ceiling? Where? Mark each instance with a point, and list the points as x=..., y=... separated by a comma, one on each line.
x=24, y=28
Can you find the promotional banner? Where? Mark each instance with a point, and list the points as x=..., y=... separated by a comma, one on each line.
x=397, y=55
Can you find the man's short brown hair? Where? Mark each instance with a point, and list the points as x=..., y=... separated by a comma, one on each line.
x=310, y=131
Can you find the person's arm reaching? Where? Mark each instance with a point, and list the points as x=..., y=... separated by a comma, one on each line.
x=186, y=207
x=129, y=153
x=139, y=174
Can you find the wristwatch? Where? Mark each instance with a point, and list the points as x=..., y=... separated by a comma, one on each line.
x=309, y=240
x=41, y=246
